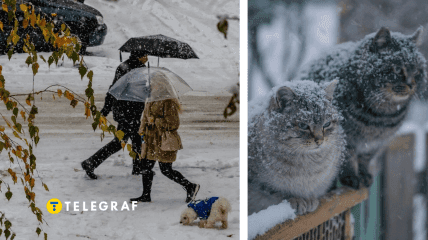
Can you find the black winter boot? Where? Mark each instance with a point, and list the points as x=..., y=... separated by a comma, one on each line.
x=89, y=171
x=95, y=160
x=147, y=187
x=192, y=189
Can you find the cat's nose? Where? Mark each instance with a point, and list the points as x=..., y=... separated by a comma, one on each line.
x=319, y=138
x=319, y=141
x=318, y=134
x=410, y=83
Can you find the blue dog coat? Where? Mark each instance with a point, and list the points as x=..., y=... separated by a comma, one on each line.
x=203, y=207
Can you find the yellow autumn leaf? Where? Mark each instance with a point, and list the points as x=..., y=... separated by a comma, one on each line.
x=69, y=95
x=87, y=113
x=15, y=39
x=87, y=110
x=42, y=22
x=1, y=25
x=103, y=120
x=25, y=23
x=120, y=134
x=4, y=6
x=18, y=153
x=123, y=145
x=28, y=102
x=32, y=18
x=32, y=197
x=59, y=92
x=16, y=135
x=2, y=128
x=23, y=7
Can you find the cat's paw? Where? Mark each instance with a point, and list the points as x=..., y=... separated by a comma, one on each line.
x=304, y=206
x=351, y=181
x=366, y=178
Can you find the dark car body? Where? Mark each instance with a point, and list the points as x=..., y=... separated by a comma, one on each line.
x=84, y=21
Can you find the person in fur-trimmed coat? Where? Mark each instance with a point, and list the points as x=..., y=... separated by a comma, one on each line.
x=158, y=118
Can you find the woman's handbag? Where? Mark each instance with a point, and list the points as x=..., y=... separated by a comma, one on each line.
x=170, y=141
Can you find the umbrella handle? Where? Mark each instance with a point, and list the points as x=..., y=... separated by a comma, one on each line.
x=148, y=82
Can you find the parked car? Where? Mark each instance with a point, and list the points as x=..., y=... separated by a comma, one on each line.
x=84, y=22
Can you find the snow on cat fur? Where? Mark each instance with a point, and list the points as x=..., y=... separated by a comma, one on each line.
x=295, y=146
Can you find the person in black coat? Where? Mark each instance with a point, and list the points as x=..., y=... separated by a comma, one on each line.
x=127, y=114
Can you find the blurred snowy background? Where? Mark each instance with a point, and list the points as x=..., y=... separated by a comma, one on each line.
x=284, y=35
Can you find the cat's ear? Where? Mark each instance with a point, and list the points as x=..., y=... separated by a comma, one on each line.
x=382, y=39
x=329, y=90
x=284, y=96
x=417, y=36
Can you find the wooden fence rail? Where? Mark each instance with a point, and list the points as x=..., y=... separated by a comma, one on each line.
x=333, y=205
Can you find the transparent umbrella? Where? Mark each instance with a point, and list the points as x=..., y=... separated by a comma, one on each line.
x=149, y=85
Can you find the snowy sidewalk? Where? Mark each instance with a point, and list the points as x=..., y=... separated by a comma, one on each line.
x=210, y=157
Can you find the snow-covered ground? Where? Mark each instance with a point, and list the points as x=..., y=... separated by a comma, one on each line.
x=211, y=144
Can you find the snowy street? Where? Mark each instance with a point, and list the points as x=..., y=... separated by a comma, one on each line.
x=211, y=143
x=210, y=157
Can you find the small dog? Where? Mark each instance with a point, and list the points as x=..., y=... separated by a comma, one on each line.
x=210, y=211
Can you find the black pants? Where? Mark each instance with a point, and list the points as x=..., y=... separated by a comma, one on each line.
x=166, y=169
x=131, y=132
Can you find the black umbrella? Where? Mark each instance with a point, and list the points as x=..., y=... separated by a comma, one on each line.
x=159, y=45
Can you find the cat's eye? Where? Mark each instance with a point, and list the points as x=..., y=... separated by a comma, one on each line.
x=396, y=69
x=326, y=125
x=303, y=126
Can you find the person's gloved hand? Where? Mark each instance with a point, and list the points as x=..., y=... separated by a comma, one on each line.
x=104, y=112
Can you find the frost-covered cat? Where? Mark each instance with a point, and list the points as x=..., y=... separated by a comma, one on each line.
x=295, y=146
x=378, y=77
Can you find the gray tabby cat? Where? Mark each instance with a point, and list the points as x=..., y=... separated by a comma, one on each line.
x=378, y=77
x=295, y=146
